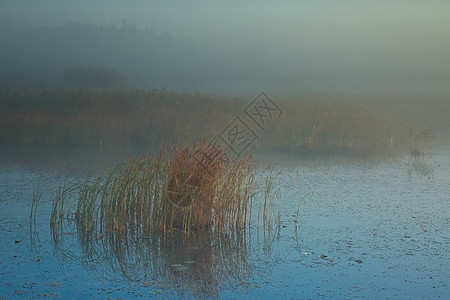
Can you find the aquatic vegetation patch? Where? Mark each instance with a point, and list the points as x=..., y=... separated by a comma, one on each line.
x=179, y=219
x=186, y=189
x=418, y=139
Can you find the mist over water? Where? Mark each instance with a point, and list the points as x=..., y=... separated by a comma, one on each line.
x=386, y=47
x=224, y=149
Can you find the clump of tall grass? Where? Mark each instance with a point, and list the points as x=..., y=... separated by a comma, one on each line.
x=418, y=139
x=186, y=189
x=179, y=217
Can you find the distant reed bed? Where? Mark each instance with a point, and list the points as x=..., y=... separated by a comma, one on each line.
x=146, y=118
x=343, y=128
x=107, y=119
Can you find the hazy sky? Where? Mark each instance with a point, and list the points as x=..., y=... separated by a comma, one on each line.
x=313, y=45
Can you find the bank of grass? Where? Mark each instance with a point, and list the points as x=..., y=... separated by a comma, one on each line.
x=107, y=118
x=154, y=118
x=344, y=128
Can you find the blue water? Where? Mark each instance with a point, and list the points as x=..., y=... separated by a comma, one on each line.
x=364, y=230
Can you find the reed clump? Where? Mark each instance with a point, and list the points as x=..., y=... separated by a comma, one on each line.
x=418, y=139
x=190, y=188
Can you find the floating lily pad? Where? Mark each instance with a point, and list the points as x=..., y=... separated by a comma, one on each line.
x=176, y=265
x=189, y=261
x=180, y=267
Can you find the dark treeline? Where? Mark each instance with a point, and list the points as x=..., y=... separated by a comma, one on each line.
x=239, y=49
x=40, y=57
x=142, y=57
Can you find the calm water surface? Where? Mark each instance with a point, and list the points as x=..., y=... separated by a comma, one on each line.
x=363, y=230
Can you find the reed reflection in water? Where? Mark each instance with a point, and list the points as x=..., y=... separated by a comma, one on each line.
x=421, y=165
x=202, y=264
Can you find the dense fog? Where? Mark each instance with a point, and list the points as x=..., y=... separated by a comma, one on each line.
x=228, y=47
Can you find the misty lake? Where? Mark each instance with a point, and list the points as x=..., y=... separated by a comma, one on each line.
x=345, y=229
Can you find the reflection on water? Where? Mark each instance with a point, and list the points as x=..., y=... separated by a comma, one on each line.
x=73, y=160
x=421, y=165
x=345, y=230
x=201, y=264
